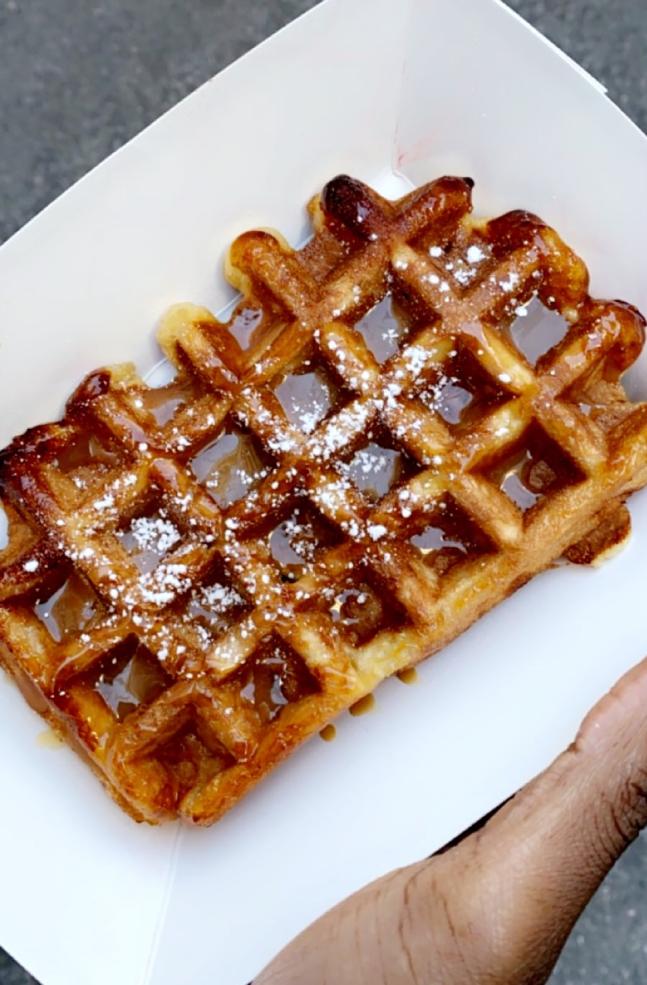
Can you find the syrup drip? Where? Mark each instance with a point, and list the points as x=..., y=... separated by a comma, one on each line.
x=434, y=539
x=450, y=537
x=191, y=757
x=246, y=326
x=518, y=484
x=69, y=610
x=296, y=540
x=450, y=402
x=408, y=676
x=307, y=398
x=361, y=610
x=539, y=467
x=274, y=677
x=328, y=733
x=376, y=468
x=85, y=450
x=49, y=739
x=164, y=402
x=538, y=331
x=230, y=466
x=363, y=706
x=382, y=330
x=463, y=392
x=215, y=606
x=128, y=678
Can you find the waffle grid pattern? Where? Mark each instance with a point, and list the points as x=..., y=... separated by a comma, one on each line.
x=201, y=636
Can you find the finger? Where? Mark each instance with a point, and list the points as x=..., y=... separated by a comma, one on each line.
x=359, y=942
x=537, y=863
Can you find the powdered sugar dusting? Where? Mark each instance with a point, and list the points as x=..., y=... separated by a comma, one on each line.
x=156, y=534
x=475, y=254
x=163, y=585
x=306, y=398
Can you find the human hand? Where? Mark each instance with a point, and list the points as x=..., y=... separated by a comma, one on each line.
x=497, y=908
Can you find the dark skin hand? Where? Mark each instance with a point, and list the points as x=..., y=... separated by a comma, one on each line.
x=497, y=908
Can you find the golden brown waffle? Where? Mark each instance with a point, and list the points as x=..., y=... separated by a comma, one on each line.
x=365, y=458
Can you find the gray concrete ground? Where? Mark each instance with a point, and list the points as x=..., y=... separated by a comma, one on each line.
x=79, y=77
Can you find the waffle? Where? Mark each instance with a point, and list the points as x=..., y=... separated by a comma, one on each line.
x=398, y=426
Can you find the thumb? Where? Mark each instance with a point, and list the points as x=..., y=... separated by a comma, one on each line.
x=539, y=860
x=498, y=907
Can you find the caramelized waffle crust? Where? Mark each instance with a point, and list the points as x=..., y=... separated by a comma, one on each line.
x=382, y=442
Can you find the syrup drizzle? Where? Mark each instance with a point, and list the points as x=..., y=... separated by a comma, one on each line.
x=382, y=330
x=274, y=677
x=214, y=607
x=434, y=539
x=164, y=402
x=69, y=610
x=517, y=483
x=538, y=330
x=537, y=467
x=450, y=537
x=192, y=757
x=376, y=468
x=307, y=397
x=230, y=465
x=128, y=678
x=85, y=450
x=362, y=610
x=246, y=326
x=450, y=400
x=296, y=540
x=463, y=392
